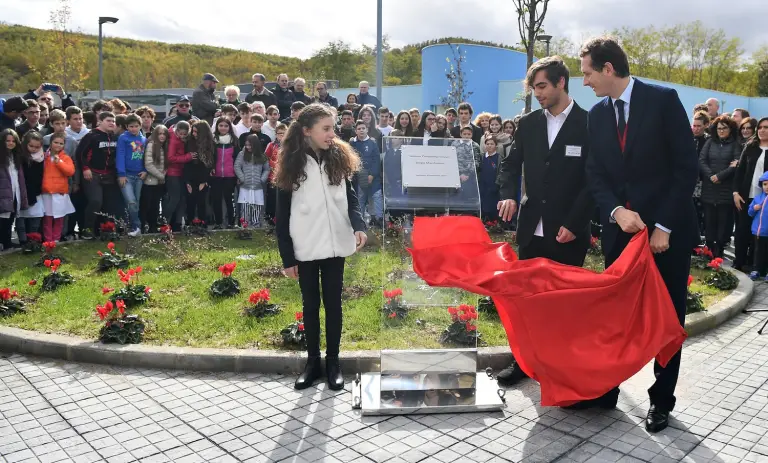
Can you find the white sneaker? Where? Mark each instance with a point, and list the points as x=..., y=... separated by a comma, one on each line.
x=135, y=233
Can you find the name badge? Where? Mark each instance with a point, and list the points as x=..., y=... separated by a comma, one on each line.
x=573, y=151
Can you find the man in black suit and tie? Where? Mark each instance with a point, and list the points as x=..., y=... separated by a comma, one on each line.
x=642, y=169
x=551, y=146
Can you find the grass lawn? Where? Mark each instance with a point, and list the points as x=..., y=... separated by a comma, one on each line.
x=181, y=312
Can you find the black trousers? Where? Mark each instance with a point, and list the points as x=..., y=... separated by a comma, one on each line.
x=223, y=188
x=271, y=194
x=174, y=201
x=327, y=274
x=572, y=253
x=6, y=227
x=744, y=241
x=197, y=203
x=149, y=209
x=719, y=226
x=674, y=266
x=761, y=255
x=102, y=195
x=78, y=217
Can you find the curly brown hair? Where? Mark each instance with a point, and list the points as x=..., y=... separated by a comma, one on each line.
x=723, y=119
x=341, y=161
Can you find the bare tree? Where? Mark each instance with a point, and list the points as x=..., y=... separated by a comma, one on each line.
x=457, y=79
x=530, y=17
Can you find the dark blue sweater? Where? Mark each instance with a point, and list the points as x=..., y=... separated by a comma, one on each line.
x=371, y=160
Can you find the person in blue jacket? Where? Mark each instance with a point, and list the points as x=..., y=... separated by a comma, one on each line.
x=129, y=163
x=369, y=177
x=760, y=229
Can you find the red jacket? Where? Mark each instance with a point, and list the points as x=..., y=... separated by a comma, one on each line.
x=177, y=156
x=271, y=153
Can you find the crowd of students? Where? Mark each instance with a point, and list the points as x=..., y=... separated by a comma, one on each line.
x=65, y=170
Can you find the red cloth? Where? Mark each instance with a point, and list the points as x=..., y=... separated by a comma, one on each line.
x=578, y=333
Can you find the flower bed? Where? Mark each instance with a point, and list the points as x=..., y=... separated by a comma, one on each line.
x=182, y=312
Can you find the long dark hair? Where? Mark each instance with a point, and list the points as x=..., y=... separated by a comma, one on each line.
x=5, y=154
x=340, y=160
x=445, y=132
x=256, y=154
x=203, y=145
x=407, y=130
x=231, y=133
x=26, y=156
x=371, y=109
x=423, y=123
x=755, y=140
x=158, y=148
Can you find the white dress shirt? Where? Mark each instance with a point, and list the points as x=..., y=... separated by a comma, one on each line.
x=554, y=124
x=626, y=96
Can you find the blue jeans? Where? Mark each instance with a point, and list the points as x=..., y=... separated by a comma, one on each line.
x=132, y=195
x=378, y=202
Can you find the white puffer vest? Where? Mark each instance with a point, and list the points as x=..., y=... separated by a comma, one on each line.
x=320, y=226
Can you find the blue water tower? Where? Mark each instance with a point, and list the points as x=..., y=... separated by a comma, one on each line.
x=483, y=68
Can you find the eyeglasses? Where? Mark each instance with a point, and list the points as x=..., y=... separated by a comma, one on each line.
x=723, y=129
x=183, y=106
x=746, y=129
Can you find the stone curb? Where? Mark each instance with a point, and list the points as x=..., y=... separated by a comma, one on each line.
x=265, y=361
x=719, y=313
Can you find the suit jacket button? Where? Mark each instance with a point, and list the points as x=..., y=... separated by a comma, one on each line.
x=543, y=201
x=546, y=163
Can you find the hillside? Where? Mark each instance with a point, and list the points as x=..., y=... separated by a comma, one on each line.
x=30, y=56
x=129, y=63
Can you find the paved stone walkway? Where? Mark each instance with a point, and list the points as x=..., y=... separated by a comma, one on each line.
x=57, y=411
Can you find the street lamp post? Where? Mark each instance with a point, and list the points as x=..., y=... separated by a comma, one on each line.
x=379, y=51
x=546, y=39
x=102, y=20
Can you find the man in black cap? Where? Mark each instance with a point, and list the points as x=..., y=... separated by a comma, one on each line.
x=182, y=113
x=12, y=109
x=204, y=102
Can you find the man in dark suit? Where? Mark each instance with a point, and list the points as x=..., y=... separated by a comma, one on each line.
x=642, y=169
x=465, y=120
x=551, y=146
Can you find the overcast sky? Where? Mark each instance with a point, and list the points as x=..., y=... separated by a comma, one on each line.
x=299, y=27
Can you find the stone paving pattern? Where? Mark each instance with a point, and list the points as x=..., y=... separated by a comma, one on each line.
x=53, y=411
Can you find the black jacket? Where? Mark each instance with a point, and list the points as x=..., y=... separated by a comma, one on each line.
x=173, y=120
x=33, y=178
x=204, y=103
x=196, y=172
x=301, y=96
x=66, y=102
x=96, y=151
x=285, y=98
x=345, y=134
x=329, y=100
x=655, y=175
x=263, y=138
x=477, y=133
x=24, y=127
x=742, y=180
x=268, y=98
x=715, y=159
x=556, y=190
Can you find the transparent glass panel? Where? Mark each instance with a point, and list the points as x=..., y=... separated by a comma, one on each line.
x=423, y=177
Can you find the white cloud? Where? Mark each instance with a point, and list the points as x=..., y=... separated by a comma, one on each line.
x=299, y=27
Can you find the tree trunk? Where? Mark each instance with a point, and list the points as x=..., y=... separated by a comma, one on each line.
x=531, y=45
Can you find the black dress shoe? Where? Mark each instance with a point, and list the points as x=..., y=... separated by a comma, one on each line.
x=312, y=371
x=333, y=371
x=657, y=419
x=606, y=401
x=511, y=375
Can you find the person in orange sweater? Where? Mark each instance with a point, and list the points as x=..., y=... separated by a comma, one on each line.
x=56, y=172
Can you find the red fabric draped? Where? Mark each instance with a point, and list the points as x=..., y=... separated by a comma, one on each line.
x=578, y=333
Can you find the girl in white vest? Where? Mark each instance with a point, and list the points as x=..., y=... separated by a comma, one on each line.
x=318, y=224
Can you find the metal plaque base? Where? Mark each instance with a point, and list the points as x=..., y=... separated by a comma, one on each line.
x=366, y=396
